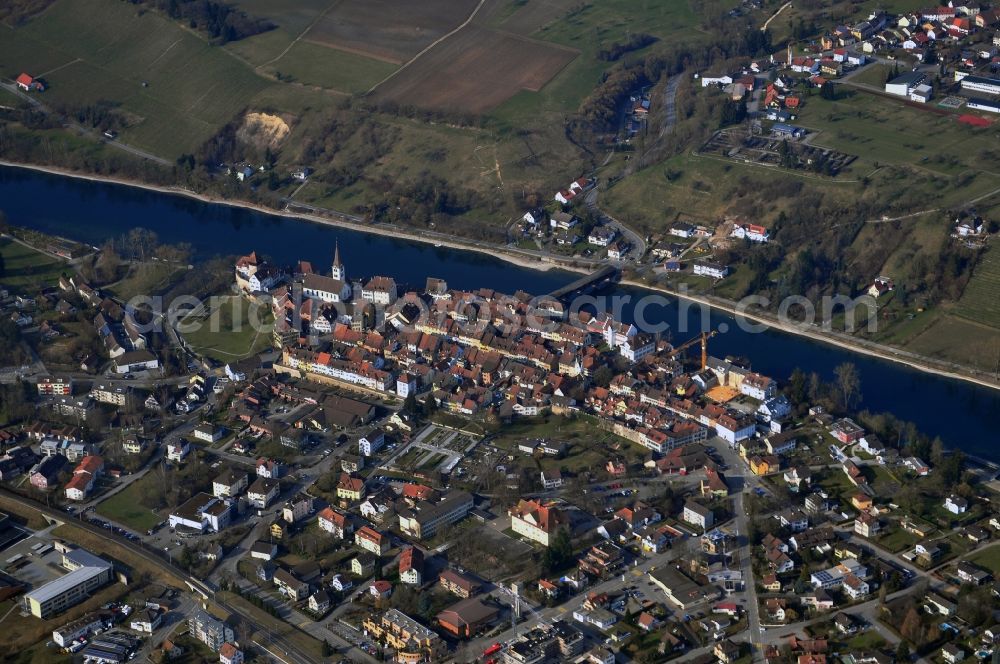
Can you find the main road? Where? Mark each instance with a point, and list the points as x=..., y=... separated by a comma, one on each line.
x=741, y=484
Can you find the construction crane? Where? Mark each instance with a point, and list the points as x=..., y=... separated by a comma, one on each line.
x=703, y=340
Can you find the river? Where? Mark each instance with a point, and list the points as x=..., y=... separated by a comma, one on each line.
x=962, y=414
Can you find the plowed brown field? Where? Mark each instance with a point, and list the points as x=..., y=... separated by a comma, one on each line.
x=475, y=70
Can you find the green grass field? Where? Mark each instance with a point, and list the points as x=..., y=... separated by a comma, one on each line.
x=125, y=508
x=988, y=558
x=25, y=268
x=226, y=333
x=981, y=300
x=9, y=99
x=314, y=64
x=898, y=540
x=145, y=279
x=191, y=88
x=887, y=131
x=960, y=340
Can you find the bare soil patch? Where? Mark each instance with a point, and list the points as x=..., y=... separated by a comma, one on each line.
x=263, y=130
x=475, y=70
x=390, y=30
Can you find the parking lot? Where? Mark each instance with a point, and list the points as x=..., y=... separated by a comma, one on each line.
x=33, y=560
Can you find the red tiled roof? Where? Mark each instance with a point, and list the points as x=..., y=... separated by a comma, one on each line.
x=411, y=558
x=332, y=515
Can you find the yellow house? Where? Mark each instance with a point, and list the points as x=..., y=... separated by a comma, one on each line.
x=133, y=445
x=350, y=488
x=861, y=502
x=762, y=465
x=278, y=530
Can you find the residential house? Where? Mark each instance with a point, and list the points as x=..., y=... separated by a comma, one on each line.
x=319, y=602
x=698, y=515
x=208, y=629
x=411, y=566
x=537, y=521
x=350, y=488
x=371, y=442
x=726, y=651
x=230, y=483
x=867, y=525
x=297, y=508
x=363, y=564
x=969, y=573
x=334, y=522
x=264, y=550
x=956, y=504
x=177, y=451
x=551, y=479
x=458, y=584
x=290, y=585
x=952, y=653
x=262, y=492
x=372, y=540
x=85, y=475
x=208, y=433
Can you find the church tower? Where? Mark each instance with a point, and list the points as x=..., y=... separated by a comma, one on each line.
x=338, y=271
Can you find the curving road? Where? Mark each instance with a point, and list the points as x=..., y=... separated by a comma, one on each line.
x=637, y=242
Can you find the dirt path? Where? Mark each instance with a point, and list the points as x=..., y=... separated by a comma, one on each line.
x=301, y=34
x=775, y=15
x=437, y=41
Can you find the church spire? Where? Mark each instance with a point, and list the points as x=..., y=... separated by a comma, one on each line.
x=337, y=271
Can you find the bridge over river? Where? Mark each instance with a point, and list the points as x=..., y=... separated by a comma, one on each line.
x=600, y=277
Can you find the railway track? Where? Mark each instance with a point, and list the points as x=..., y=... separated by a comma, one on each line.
x=206, y=591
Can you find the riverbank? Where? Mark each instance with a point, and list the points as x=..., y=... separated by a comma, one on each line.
x=838, y=339
x=515, y=257
x=534, y=262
